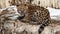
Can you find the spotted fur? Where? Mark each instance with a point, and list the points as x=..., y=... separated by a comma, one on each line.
x=34, y=15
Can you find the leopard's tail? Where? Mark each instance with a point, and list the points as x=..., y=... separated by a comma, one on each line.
x=43, y=25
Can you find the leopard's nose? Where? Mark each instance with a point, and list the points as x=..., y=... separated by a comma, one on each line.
x=20, y=17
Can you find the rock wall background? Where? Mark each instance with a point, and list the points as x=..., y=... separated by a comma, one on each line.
x=47, y=3
x=44, y=3
x=4, y=3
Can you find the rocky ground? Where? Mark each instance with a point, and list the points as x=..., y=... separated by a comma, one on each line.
x=53, y=28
